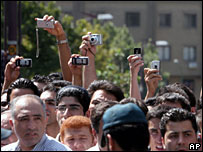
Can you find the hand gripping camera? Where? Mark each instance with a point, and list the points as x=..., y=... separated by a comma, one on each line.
x=96, y=39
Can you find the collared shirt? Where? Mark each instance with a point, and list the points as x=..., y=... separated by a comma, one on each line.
x=47, y=143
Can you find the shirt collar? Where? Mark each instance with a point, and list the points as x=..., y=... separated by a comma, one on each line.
x=38, y=146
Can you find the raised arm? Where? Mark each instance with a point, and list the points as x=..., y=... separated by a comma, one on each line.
x=64, y=49
x=89, y=50
x=11, y=72
x=152, y=80
x=135, y=63
x=76, y=71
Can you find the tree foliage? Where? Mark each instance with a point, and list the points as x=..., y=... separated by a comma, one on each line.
x=111, y=57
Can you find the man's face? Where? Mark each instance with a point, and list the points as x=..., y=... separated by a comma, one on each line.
x=100, y=94
x=5, y=117
x=68, y=106
x=78, y=139
x=29, y=122
x=179, y=135
x=155, y=135
x=19, y=92
x=49, y=99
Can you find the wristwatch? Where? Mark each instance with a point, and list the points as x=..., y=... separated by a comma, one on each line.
x=61, y=41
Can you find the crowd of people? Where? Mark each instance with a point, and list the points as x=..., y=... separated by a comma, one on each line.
x=74, y=111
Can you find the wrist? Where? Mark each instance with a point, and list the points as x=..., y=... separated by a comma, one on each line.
x=61, y=37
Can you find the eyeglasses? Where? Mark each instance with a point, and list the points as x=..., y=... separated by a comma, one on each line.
x=73, y=107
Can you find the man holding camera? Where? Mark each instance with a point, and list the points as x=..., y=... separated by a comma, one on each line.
x=63, y=46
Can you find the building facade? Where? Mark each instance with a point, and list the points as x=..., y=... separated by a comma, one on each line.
x=175, y=26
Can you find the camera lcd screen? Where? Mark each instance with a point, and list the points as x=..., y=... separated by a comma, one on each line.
x=137, y=51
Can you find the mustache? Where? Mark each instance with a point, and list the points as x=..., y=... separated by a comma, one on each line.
x=31, y=131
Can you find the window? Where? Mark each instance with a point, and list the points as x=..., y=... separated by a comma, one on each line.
x=189, y=83
x=190, y=20
x=132, y=19
x=189, y=53
x=165, y=20
x=164, y=53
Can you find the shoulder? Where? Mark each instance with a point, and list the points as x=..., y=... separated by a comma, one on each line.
x=10, y=147
x=52, y=144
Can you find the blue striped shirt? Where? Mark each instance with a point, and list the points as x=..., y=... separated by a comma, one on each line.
x=47, y=143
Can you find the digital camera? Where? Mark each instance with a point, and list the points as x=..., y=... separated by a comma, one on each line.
x=138, y=52
x=27, y=63
x=83, y=60
x=155, y=64
x=96, y=39
x=45, y=24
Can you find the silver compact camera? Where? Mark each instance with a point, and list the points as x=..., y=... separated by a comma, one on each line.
x=27, y=63
x=138, y=52
x=45, y=24
x=96, y=39
x=82, y=60
x=155, y=64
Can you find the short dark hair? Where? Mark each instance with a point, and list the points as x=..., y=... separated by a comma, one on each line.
x=130, y=137
x=157, y=112
x=177, y=115
x=174, y=98
x=40, y=78
x=140, y=103
x=150, y=101
x=55, y=76
x=107, y=86
x=98, y=111
x=172, y=88
x=78, y=92
x=22, y=83
x=61, y=83
x=189, y=92
x=50, y=87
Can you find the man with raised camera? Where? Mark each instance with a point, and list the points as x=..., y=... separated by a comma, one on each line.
x=63, y=46
x=11, y=72
x=88, y=48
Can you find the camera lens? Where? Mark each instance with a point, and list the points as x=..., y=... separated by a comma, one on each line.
x=155, y=66
x=92, y=39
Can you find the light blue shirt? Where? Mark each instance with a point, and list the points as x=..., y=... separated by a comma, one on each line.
x=47, y=143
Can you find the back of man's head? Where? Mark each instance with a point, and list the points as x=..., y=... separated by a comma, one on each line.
x=77, y=92
x=139, y=103
x=106, y=86
x=127, y=126
x=157, y=112
x=173, y=98
x=98, y=111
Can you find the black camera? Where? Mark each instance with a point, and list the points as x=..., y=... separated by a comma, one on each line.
x=27, y=63
x=80, y=60
x=138, y=52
